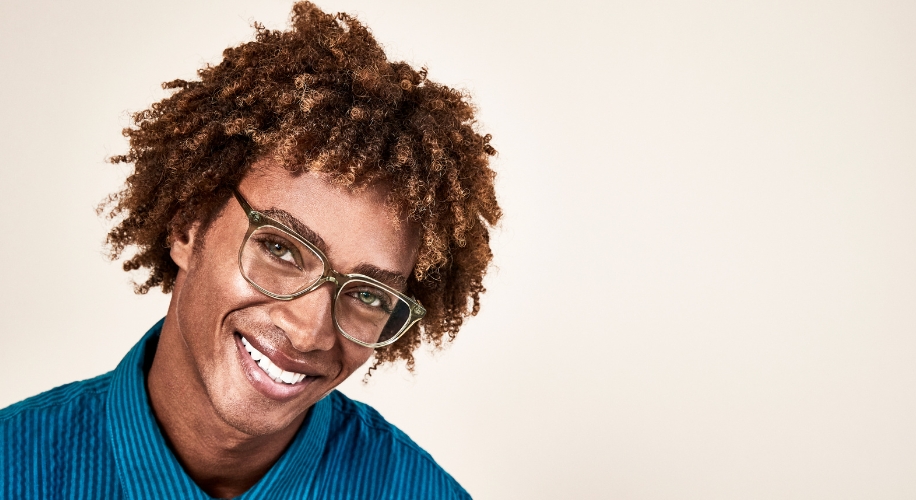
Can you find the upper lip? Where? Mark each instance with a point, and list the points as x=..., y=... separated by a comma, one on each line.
x=281, y=359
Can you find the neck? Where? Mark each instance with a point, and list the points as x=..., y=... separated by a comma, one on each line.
x=223, y=460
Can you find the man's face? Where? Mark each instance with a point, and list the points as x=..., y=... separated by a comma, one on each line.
x=215, y=308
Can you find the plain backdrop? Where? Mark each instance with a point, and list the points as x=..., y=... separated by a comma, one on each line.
x=705, y=281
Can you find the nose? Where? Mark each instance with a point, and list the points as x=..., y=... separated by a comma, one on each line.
x=308, y=320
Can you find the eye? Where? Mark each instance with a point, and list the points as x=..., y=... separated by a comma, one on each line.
x=279, y=250
x=372, y=299
x=368, y=298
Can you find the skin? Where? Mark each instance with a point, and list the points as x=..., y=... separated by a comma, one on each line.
x=225, y=420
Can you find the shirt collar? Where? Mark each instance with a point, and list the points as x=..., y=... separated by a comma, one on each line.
x=146, y=466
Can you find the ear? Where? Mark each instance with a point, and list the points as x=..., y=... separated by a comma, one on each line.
x=182, y=247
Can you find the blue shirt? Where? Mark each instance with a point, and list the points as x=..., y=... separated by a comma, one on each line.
x=98, y=439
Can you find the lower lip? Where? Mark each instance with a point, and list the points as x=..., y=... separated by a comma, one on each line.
x=262, y=382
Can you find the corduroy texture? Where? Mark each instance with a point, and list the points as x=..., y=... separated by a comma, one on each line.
x=98, y=439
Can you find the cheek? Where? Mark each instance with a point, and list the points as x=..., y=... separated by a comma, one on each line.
x=354, y=356
x=215, y=269
x=211, y=289
x=217, y=284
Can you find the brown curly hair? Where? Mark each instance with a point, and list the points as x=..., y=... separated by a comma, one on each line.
x=320, y=97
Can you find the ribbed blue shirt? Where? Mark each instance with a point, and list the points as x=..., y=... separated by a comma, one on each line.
x=98, y=439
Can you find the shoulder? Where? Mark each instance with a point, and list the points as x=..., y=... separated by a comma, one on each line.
x=56, y=414
x=365, y=445
x=54, y=441
x=71, y=417
x=68, y=398
x=356, y=421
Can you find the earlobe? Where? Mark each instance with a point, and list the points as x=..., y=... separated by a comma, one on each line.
x=183, y=246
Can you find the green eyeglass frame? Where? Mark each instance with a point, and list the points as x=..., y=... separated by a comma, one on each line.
x=258, y=220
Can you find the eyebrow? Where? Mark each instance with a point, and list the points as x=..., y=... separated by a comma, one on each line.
x=390, y=278
x=296, y=225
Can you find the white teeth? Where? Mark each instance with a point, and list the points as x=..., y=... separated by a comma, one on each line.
x=255, y=354
x=272, y=370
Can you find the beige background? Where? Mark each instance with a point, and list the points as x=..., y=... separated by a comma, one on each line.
x=706, y=276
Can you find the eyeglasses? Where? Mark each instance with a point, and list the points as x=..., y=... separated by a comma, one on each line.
x=282, y=264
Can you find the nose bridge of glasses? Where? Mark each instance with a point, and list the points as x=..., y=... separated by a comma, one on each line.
x=337, y=278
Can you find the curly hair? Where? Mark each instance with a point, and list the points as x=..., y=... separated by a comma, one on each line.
x=321, y=97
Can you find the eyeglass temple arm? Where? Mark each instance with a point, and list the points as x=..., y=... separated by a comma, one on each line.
x=250, y=213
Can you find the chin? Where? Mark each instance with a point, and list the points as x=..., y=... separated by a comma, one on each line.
x=239, y=405
x=256, y=419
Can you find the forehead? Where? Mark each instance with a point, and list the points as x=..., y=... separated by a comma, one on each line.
x=356, y=226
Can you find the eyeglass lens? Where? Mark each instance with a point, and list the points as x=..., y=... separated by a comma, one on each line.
x=282, y=265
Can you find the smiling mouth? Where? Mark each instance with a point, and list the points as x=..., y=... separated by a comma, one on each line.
x=273, y=371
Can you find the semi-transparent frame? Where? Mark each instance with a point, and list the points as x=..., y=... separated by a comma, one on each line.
x=258, y=220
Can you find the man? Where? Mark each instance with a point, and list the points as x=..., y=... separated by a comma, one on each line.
x=310, y=205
